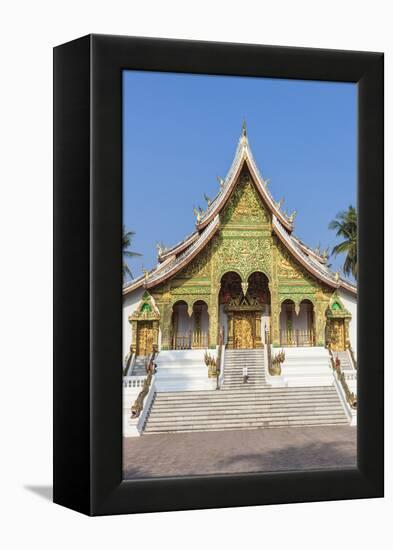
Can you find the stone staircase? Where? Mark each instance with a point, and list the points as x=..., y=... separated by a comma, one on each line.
x=345, y=362
x=244, y=406
x=235, y=360
x=139, y=368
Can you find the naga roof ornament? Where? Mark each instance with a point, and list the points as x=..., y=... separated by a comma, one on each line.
x=220, y=182
x=207, y=199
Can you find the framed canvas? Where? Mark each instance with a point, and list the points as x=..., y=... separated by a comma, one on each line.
x=196, y=383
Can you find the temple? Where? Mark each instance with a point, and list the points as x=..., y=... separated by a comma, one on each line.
x=242, y=280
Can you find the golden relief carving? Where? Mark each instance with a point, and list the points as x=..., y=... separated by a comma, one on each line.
x=244, y=245
x=144, y=344
x=245, y=205
x=244, y=255
x=243, y=328
x=199, y=266
x=337, y=335
x=286, y=267
x=287, y=270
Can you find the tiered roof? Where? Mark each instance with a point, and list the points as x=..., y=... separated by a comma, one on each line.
x=173, y=259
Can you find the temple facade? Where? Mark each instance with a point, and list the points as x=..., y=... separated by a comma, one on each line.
x=243, y=274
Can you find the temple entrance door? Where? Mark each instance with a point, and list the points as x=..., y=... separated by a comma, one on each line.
x=337, y=335
x=244, y=330
x=144, y=338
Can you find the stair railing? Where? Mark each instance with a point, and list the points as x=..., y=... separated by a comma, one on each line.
x=268, y=352
x=349, y=396
x=220, y=359
x=129, y=361
x=352, y=354
x=148, y=385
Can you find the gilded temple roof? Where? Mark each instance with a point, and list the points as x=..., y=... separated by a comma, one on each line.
x=243, y=156
x=172, y=260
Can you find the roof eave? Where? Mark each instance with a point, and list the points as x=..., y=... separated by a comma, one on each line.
x=308, y=267
x=248, y=160
x=133, y=286
x=184, y=262
x=182, y=245
x=350, y=288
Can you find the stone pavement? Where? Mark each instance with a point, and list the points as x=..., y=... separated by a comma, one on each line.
x=241, y=451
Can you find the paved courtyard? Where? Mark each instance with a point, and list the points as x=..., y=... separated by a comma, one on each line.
x=266, y=450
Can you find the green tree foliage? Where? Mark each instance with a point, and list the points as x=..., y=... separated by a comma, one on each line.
x=127, y=253
x=346, y=226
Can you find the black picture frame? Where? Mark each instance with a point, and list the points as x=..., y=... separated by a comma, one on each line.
x=88, y=280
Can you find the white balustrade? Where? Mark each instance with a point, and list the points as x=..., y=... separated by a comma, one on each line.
x=133, y=381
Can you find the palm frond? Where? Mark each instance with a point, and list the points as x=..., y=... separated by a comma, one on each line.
x=340, y=248
x=345, y=225
x=126, y=244
x=130, y=254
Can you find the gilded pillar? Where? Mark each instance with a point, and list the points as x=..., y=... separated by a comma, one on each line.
x=258, y=335
x=166, y=329
x=134, y=329
x=346, y=333
x=213, y=320
x=320, y=323
x=230, y=330
x=275, y=319
x=155, y=334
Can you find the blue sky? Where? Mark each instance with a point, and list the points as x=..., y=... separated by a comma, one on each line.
x=181, y=131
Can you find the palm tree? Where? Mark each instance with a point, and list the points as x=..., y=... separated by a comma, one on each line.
x=346, y=225
x=126, y=243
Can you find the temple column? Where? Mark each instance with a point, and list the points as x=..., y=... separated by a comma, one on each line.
x=230, y=330
x=346, y=333
x=166, y=326
x=134, y=330
x=258, y=336
x=213, y=320
x=275, y=319
x=155, y=335
x=320, y=323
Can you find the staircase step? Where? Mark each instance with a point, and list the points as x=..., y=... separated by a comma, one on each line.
x=249, y=426
x=243, y=415
x=244, y=406
x=257, y=392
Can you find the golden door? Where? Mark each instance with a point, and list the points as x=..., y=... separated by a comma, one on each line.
x=243, y=328
x=337, y=335
x=145, y=338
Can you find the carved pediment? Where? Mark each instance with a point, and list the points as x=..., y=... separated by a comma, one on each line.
x=336, y=309
x=146, y=310
x=244, y=303
x=245, y=205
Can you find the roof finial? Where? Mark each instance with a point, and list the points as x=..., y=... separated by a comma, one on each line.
x=244, y=127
